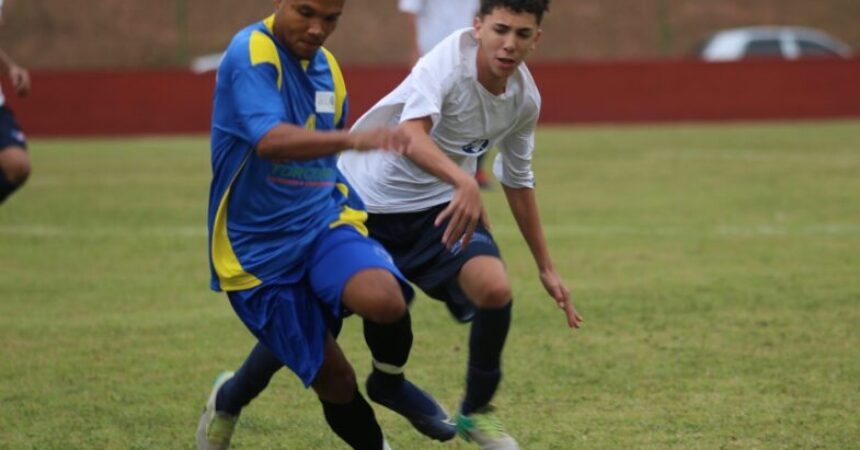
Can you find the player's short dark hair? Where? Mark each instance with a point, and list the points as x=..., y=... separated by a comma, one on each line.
x=536, y=7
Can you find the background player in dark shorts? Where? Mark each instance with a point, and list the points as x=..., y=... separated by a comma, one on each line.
x=14, y=161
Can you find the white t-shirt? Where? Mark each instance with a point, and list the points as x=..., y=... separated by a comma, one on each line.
x=467, y=121
x=436, y=19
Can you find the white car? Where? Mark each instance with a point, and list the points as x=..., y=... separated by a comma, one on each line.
x=771, y=42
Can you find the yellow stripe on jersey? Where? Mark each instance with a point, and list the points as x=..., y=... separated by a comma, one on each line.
x=263, y=51
x=231, y=274
x=350, y=216
x=339, y=85
x=311, y=123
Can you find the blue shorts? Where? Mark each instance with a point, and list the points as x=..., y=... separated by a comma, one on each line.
x=10, y=132
x=292, y=318
x=415, y=242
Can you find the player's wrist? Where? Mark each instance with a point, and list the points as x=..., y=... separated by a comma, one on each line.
x=463, y=180
x=349, y=140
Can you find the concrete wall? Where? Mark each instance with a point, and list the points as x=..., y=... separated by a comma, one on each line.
x=117, y=102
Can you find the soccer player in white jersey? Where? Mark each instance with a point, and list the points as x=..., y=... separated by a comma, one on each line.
x=472, y=92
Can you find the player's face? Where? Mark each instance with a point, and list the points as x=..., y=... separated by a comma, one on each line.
x=506, y=38
x=303, y=25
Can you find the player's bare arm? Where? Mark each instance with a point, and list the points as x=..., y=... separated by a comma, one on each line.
x=466, y=208
x=288, y=141
x=19, y=76
x=524, y=208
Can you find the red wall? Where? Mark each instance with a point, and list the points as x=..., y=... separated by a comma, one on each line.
x=114, y=103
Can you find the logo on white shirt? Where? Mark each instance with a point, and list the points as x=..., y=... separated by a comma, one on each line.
x=476, y=146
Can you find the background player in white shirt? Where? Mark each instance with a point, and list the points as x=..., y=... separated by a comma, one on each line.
x=470, y=93
x=434, y=20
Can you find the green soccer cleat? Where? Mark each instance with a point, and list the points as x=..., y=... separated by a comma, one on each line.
x=215, y=428
x=485, y=429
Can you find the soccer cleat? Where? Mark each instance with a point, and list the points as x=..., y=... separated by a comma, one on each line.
x=215, y=428
x=485, y=429
x=418, y=407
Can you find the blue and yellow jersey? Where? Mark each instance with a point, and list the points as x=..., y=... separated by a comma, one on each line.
x=263, y=215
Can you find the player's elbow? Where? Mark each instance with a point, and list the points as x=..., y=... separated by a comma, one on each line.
x=267, y=147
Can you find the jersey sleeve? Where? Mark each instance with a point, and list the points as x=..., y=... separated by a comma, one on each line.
x=411, y=6
x=513, y=164
x=428, y=85
x=255, y=82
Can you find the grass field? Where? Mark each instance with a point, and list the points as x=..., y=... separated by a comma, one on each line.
x=717, y=267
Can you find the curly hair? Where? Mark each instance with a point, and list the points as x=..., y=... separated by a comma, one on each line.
x=536, y=7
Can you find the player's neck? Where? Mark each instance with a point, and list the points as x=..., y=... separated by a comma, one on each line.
x=494, y=84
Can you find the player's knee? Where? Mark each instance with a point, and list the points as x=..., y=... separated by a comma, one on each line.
x=389, y=305
x=383, y=299
x=375, y=295
x=495, y=295
x=16, y=168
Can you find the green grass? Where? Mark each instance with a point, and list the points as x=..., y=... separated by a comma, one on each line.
x=717, y=267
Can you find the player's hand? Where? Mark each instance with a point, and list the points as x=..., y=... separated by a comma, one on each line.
x=391, y=139
x=556, y=288
x=20, y=80
x=464, y=212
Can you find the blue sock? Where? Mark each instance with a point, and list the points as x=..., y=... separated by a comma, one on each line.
x=249, y=381
x=486, y=341
x=6, y=187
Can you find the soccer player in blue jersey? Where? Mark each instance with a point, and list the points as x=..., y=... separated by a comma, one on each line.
x=14, y=162
x=287, y=237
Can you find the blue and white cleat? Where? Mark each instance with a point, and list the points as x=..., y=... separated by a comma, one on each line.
x=417, y=406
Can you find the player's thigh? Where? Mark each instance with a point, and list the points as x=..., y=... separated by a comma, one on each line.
x=350, y=269
x=15, y=164
x=484, y=281
x=335, y=380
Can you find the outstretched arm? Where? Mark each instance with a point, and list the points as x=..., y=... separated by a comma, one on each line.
x=524, y=208
x=466, y=208
x=19, y=76
x=287, y=141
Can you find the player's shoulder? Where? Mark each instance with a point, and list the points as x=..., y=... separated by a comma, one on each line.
x=251, y=42
x=528, y=85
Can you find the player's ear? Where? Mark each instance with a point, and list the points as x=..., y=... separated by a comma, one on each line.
x=538, y=34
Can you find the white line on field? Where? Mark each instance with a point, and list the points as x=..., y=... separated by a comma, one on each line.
x=763, y=230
